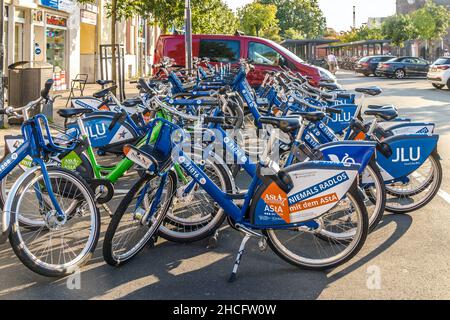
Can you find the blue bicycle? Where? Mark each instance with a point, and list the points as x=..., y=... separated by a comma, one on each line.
x=60, y=199
x=310, y=214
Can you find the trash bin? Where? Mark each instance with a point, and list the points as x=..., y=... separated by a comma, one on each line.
x=26, y=80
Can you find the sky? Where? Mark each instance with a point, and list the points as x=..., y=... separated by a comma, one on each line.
x=339, y=13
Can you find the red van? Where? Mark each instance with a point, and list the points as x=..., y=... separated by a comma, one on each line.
x=265, y=55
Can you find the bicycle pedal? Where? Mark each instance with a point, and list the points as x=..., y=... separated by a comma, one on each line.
x=213, y=241
x=108, y=211
x=262, y=244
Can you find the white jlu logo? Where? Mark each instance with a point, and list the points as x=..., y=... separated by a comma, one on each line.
x=99, y=131
x=344, y=117
x=412, y=157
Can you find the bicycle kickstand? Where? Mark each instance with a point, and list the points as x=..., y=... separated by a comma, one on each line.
x=238, y=258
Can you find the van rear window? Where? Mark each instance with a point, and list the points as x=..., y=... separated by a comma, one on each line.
x=220, y=50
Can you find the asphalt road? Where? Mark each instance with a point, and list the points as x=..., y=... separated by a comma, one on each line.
x=407, y=257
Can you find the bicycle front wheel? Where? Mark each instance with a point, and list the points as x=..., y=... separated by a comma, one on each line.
x=128, y=232
x=57, y=246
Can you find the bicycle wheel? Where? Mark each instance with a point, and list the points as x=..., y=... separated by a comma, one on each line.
x=347, y=225
x=422, y=187
x=196, y=216
x=373, y=191
x=85, y=170
x=58, y=247
x=126, y=234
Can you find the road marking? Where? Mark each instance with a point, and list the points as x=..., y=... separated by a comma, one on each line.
x=441, y=193
x=444, y=195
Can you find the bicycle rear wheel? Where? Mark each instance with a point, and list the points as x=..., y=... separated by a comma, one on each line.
x=55, y=247
x=342, y=233
x=423, y=185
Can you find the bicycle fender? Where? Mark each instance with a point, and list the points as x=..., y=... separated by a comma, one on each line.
x=317, y=187
x=409, y=152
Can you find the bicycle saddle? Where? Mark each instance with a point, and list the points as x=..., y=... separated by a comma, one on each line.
x=384, y=113
x=371, y=91
x=129, y=103
x=104, y=82
x=102, y=93
x=72, y=112
x=328, y=86
x=344, y=95
x=285, y=124
x=376, y=107
x=310, y=116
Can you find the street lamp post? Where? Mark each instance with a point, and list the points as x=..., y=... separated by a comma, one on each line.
x=188, y=34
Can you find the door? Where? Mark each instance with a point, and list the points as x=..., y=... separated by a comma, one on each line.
x=410, y=66
x=265, y=59
x=422, y=67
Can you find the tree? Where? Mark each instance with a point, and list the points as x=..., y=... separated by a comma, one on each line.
x=259, y=20
x=213, y=17
x=366, y=33
x=304, y=16
x=208, y=16
x=398, y=29
x=293, y=34
x=431, y=22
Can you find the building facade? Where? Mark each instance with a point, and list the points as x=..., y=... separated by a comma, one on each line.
x=67, y=36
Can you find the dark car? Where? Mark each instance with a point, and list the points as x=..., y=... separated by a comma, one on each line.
x=404, y=67
x=368, y=65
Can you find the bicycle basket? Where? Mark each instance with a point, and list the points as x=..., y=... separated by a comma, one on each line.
x=159, y=142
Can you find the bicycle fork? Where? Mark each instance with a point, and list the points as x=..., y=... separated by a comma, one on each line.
x=248, y=233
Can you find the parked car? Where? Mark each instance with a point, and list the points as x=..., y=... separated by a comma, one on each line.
x=265, y=55
x=368, y=65
x=439, y=74
x=404, y=67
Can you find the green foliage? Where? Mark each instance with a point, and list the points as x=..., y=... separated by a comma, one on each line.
x=366, y=33
x=398, y=29
x=293, y=34
x=213, y=17
x=259, y=20
x=431, y=21
x=304, y=16
x=208, y=16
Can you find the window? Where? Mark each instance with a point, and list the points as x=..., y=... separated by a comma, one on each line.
x=421, y=61
x=375, y=60
x=442, y=61
x=259, y=53
x=220, y=50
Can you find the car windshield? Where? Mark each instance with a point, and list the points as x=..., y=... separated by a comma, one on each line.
x=442, y=61
x=286, y=52
x=365, y=59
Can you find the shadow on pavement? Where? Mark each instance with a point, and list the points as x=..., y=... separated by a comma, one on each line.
x=173, y=271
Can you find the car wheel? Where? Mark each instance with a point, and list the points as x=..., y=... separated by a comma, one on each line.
x=438, y=86
x=400, y=74
x=367, y=74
